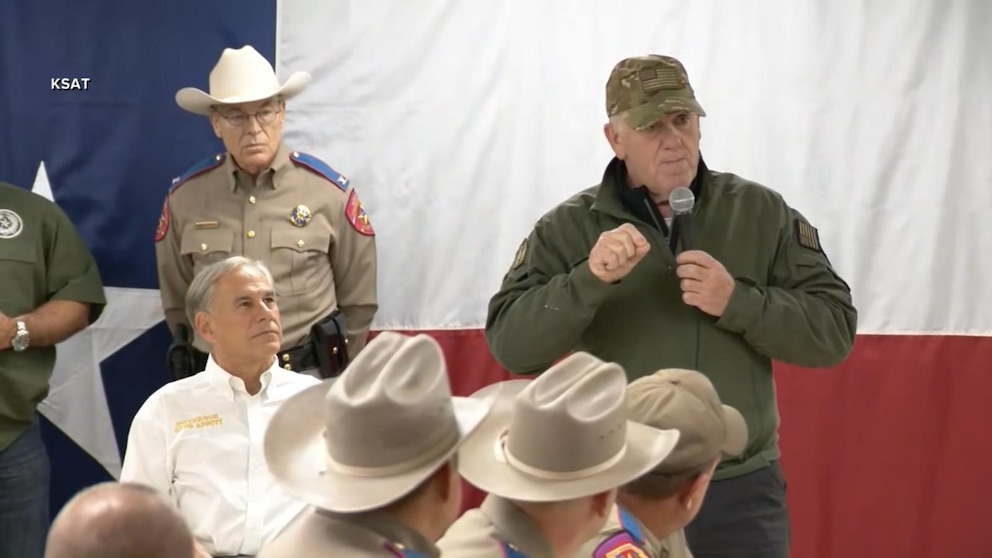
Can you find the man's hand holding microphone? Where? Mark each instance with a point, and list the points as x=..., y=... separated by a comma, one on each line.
x=705, y=283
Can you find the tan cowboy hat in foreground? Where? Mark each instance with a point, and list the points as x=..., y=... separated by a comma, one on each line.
x=369, y=437
x=561, y=436
x=240, y=76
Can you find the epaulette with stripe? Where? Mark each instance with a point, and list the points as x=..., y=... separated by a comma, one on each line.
x=315, y=165
x=199, y=168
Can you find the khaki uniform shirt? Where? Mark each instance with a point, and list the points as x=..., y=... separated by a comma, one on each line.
x=497, y=529
x=42, y=258
x=624, y=536
x=300, y=218
x=319, y=534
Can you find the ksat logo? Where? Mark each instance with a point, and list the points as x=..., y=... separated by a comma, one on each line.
x=71, y=84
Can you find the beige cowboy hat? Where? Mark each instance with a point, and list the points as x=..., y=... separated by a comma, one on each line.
x=561, y=436
x=240, y=76
x=369, y=437
x=687, y=400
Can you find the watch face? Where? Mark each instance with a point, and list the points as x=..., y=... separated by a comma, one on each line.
x=20, y=342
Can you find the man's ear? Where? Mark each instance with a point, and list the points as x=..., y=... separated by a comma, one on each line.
x=215, y=123
x=612, y=134
x=203, y=325
x=602, y=503
x=694, y=492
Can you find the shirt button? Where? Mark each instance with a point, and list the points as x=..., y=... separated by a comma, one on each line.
x=251, y=199
x=251, y=234
x=203, y=247
x=300, y=243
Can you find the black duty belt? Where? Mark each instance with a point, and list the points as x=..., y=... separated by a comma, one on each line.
x=299, y=358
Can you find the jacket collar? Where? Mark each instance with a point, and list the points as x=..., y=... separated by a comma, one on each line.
x=617, y=198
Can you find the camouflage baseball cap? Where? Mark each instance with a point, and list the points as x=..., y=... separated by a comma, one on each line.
x=687, y=401
x=647, y=88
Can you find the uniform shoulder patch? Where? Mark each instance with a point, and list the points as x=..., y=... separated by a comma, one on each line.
x=807, y=236
x=354, y=211
x=319, y=167
x=163, y=221
x=199, y=168
x=521, y=254
x=620, y=545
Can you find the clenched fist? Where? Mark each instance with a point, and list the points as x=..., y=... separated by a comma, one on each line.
x=617, y=252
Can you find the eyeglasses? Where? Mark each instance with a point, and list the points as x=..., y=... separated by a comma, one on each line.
x=240, y=119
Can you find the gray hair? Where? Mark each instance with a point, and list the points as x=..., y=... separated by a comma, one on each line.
x=618, y=120
x=200, y=294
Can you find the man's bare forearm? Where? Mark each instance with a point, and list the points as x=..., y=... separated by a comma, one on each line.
x=54, y=322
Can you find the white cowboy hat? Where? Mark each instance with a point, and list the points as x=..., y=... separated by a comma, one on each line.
x=369, y=437
x=561, y=436
x=240, y=76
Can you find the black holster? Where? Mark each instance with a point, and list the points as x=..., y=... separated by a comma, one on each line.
x=184, y=359
x=330, y=344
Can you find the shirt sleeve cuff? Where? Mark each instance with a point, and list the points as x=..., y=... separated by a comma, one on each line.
x=587, y=289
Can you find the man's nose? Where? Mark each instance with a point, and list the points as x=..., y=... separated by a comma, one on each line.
x=252, y=126
x=266, y=311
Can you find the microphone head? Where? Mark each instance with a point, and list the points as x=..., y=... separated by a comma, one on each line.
x=681, y=200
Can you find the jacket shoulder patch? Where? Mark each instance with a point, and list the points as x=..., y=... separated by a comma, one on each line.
x=315, y=165
x=163, y=221
x=807, y=236
x=521, y=255
x=199, y=168
x=354, y=211
x=620, y=545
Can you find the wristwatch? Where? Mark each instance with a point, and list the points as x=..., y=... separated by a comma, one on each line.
x=21, y=339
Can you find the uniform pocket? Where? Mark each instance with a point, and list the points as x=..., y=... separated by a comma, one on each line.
x=299, y=257
x=20, y=288
x=206, y=246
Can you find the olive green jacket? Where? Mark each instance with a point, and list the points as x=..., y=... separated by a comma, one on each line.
x=788, y=303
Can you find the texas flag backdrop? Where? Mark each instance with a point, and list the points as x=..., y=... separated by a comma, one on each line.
x=461, y=123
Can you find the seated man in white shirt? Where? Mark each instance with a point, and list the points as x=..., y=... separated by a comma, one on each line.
x=199, y=440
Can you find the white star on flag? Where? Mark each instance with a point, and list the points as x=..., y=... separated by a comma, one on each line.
x=76, y=403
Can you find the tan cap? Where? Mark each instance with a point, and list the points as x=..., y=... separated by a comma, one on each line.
x=687, y=401
x=648, y=87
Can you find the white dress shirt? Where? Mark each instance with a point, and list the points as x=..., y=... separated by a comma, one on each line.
x=199, y=441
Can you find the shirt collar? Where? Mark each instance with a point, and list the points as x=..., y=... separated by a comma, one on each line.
x=646, y=537
x=266, y=177
x=514, y=527
x=231, y=385
x=389, y=528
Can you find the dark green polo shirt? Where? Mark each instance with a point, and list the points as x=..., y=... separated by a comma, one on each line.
x=42, y=258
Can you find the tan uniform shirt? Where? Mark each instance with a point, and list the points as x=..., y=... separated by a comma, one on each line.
x=624, y=536
x=496, y=529
x=300, y=218
x=320, y=534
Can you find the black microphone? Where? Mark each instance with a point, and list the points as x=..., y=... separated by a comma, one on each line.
x=681, y=200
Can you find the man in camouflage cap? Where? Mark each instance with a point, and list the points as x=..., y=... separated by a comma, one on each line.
x=613, y=272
